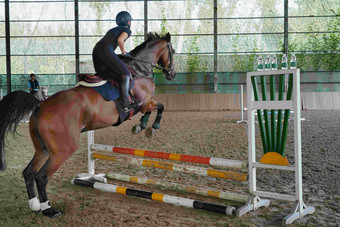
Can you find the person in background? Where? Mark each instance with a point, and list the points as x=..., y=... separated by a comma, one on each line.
x=33, y=84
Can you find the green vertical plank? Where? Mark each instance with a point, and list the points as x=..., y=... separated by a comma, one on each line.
x=265, y=113
x=279, y=114
x=286, y=118
x=272, y=98
x=259, y=115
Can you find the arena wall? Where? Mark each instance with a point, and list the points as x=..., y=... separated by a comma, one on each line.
x=231, y=101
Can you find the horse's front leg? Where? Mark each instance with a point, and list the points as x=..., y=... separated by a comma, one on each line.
x=145, y=118
x=143, y=124
x=156, y=124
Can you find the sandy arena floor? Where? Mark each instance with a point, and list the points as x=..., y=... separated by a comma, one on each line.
x=199, y=133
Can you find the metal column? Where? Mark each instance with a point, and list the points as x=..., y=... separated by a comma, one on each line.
x=285, y=29
x=145, y=18
x=215, y=48
x=76, y=35
x=8, y=47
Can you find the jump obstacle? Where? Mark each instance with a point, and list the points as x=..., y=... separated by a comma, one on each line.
x=124, y=155
x=268, y=136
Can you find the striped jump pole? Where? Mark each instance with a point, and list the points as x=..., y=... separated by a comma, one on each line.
x=175, y=167
x=179, y=187
x=179, y=201
x=243, y=166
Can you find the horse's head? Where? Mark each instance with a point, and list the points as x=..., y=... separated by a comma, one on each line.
x=157, y=50
x=44, y=92
x=166, y=59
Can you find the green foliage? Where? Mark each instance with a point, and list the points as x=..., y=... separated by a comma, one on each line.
x=319, y=51
x=164, y=23
x=240, y=62
x=162, y=32
x=193, y=61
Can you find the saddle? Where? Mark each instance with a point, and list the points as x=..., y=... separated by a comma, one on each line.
x=109, y=90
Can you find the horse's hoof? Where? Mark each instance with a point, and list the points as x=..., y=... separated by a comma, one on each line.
x=51, y=213
x=156, y=126
x=149, y=132
x=136, y=129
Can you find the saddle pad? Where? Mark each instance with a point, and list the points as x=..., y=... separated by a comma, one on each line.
x=107, y=91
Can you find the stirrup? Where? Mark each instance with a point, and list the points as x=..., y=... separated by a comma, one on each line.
x=132, y=105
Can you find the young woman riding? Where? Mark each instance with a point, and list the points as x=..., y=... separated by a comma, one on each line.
x=105, y=59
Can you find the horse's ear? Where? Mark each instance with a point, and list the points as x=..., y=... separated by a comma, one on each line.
x=168, y=37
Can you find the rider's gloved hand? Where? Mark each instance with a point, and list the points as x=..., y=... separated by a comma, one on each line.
x=127, y=55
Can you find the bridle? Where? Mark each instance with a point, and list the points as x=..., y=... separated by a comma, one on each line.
x=158, y=66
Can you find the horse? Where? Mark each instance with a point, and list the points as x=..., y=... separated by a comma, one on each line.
x=42, y=93
x=56, y=123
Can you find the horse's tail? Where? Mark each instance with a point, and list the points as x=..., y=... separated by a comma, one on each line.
x=13, y=107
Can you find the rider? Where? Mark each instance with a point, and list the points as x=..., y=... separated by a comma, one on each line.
x=33, y=84
x=104, y=57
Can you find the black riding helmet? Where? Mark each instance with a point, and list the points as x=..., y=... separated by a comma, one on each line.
x=123, y=17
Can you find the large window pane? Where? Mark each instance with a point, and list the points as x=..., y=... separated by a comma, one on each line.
x=180, y=9
x=2, y=22
x=86, y=44
x=43, y=64
x=2, y=11
x=106, y=10
x=267, y=25
x=42, y=28
x=86, y=64
x=45, y=45
x=183, y=27
x=2, y=64
x=99, y=28
x=246, y=8
x=250, y=43
x=2, y=46
x=311, y=42
x=42, y=10
x=193, y=44
x=308, y=24
x=312, y=7
x=236, y=63
x=319, y=51
x=195, y=63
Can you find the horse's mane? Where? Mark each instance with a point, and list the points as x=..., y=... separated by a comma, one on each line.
x=150, y=37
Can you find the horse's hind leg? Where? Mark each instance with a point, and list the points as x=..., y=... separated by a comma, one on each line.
x=37, y=171
x=41, y=179
x=30, y=172
x=60, y=146
x=29, y=176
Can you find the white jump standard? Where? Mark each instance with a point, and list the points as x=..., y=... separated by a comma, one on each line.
x=255, y=200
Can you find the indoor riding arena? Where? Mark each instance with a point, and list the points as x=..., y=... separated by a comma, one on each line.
x=232, y=118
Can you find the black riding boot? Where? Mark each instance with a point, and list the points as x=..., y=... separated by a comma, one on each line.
x=124, y=87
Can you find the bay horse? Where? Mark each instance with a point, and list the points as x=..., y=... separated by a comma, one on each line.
x=56, y=123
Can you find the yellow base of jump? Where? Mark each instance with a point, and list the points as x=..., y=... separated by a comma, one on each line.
x=274, y=158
